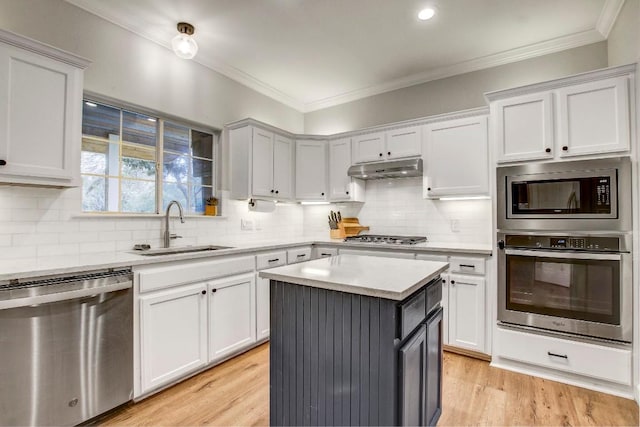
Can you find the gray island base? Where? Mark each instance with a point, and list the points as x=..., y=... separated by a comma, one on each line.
x=356, y=340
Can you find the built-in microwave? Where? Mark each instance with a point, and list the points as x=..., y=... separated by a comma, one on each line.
x=579, y=195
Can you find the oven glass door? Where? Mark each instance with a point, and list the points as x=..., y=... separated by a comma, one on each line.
x=564, y=285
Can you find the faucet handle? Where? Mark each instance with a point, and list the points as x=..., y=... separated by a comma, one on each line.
x=174, y=236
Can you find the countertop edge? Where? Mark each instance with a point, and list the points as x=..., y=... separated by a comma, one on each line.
x=139, y=260
x=353, y=289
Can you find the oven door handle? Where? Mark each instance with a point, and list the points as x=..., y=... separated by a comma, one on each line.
x=565, y=255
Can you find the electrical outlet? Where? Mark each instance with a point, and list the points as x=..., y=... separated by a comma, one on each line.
x=455, y=225
x=246, y=224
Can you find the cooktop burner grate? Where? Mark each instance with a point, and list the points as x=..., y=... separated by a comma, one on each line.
x=384, y=239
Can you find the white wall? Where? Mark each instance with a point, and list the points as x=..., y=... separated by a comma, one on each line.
x=396, y=206
x=454, y=93
x=624, y=38
x=40, y=226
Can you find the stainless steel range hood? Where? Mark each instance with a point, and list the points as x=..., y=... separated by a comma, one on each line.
x=394, y=169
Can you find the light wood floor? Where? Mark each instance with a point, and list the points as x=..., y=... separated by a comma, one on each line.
x=237, y=393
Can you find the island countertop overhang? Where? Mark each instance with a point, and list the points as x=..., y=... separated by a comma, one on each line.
x=390, y=278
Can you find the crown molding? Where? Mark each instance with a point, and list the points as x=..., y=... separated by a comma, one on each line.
x=502, y=58
x=43, y=49
x=608, y=16
x=586, y=77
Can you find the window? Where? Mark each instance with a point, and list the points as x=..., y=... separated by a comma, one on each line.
x=131, y=159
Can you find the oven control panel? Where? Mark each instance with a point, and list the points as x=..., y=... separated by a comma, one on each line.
x=586, y=243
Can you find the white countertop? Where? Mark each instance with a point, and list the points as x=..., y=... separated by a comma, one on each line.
x=390, y=278
x=10, y=269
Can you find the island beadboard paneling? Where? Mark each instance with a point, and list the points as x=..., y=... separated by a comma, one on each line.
x=345, y=373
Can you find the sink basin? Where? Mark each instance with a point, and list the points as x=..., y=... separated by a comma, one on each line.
x=182, y=250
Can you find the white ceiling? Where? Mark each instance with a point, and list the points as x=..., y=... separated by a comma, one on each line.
x=311, y=54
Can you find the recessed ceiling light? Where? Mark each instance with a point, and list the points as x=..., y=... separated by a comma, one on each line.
x=426, y=14
x=90, y=104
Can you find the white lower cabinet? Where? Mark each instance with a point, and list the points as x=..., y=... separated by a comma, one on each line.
x=232, y=315
x=465, y=316
x=610, y=363
x=466, y=312
x=173, y=334
x=264, y=261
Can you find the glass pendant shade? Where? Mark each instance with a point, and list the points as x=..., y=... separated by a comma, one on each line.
x=183, y=44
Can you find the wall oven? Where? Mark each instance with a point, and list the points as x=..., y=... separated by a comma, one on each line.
x=579, y=284
x=580, y=195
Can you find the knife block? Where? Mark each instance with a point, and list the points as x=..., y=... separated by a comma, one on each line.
x=347, y=227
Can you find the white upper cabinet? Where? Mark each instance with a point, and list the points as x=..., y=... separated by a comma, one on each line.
x=523, y=127
x=456, y=158
x=261, y=164
x=40, y=113
x=594, y=117
x=388, y=145
x=341, y=185
x=404, y=142
x=582, y=115
x=369, y=148
x=283, y=167
x=262, y=158
x=311, y=170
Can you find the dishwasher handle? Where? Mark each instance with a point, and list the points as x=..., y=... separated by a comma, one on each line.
x=64, y=296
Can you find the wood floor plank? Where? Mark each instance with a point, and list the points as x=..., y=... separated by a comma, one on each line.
x=474, y=393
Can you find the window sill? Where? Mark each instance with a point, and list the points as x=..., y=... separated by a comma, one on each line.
x=105, y=215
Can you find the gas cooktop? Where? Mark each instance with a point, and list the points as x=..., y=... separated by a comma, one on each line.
x=383, y=239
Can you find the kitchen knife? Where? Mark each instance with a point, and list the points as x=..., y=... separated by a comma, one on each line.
x=339, y=216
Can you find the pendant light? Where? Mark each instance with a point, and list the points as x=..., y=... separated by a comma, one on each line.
x=184, y=44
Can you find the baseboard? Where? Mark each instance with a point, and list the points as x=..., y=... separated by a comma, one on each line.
x=469, y=353
x=575, y=380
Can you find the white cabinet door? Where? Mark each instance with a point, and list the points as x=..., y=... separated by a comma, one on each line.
x=457, y=160
x=404, y=142
x=339, y=163
x=311, y=170
x=262, y=308
x=173, y=334
x=594, y=117
x=282, y=167
x=524, y=127
x=232, y=315
x=40, y=119
x=445, y=308
x=466, y=312
x=369, y=147
x=262, y=163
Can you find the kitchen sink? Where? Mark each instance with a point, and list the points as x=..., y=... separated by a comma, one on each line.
x=182, y=250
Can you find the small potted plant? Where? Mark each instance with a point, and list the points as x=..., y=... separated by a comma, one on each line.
x=211, y=208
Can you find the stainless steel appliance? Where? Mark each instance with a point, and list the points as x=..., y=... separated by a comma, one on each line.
x=580, y=195
x=407, y=168
x=579, y=284
x=384, y=239
x=66, y=348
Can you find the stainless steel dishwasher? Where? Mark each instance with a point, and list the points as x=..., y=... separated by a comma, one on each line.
x=66, y=347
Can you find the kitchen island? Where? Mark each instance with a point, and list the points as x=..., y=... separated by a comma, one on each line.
x=356, y=340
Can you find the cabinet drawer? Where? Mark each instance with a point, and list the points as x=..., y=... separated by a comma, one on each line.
x=466, y=265
x=324, y=252
x=591, y=360
x=271, y=259
x=173, y=274
x=298, y=255
x=412, y=313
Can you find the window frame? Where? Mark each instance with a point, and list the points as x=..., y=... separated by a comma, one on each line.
x=161, y=119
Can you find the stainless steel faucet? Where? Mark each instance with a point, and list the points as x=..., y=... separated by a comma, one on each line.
x=167, y=235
